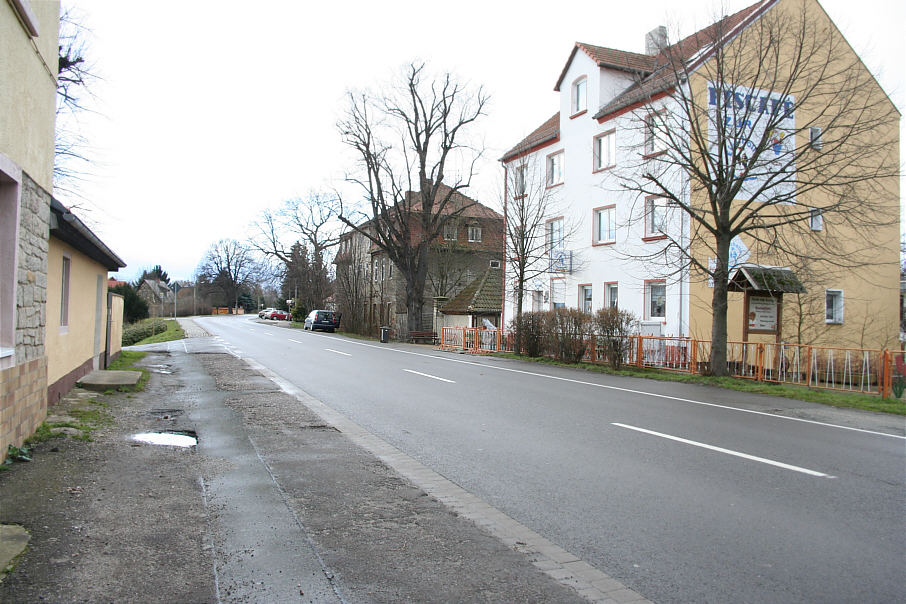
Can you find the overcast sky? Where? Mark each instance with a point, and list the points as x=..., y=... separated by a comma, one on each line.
x=211, y=111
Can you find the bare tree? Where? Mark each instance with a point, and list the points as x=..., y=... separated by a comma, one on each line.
x=755, y=126
x=448, y=273
x=536, y=245
x=414, y=162
x=231, y=267
x=75, y=76
x=310, y=222
x=352, y=283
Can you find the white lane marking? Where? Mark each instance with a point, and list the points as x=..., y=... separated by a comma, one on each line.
x=267, y=333
x=631, y=391
x=433, y=377
x=292, y=340
x=764, y=460
x=345, y=354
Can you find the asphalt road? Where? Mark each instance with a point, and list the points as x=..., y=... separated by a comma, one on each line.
x=683, y=493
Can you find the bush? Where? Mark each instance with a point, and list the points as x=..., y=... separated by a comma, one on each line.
x=567, y=331
x=615, y=326
x=531, y=329
x=145, y=329
x=299, y=313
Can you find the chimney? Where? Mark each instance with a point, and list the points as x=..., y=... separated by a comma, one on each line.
x=656, y=40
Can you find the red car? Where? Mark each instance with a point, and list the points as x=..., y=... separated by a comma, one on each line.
x=278, y=315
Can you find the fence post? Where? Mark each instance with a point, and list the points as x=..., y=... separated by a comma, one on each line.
x=693, y=360
x=638, y=358
x=886, y=378
x=759, y=363
x=808, y=366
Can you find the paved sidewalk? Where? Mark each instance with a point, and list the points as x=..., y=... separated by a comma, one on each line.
x=276, y=503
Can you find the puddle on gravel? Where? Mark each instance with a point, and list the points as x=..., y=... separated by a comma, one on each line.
x=169, y=439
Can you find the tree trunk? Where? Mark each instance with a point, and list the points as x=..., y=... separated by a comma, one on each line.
x=719, y=308
x=415, y=291
x=520, y=294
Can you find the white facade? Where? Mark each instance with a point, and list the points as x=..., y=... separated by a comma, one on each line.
x=608, y=227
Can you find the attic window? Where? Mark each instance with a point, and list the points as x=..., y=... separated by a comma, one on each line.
x=579, y=101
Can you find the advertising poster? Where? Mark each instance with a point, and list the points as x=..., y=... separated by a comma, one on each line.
x=762, y=314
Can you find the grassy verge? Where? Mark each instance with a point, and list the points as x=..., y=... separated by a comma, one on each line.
x=126, y=361
x=173, y=332
x=834, y=398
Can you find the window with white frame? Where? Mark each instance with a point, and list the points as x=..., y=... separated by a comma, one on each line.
x=519, y=181
x=655, y=299
x=655, y=215
x=612, y=295
x=833, y=306
x=816, y=219
x=555, y=169
x=537, y=300
x=585, y=294
x=605, y=224
x=64, y=291
x=9, y=220
x=555, y=234
x=605, y=150
x=579, y=95
x=474, y=233
x=375, y=271
x=654, y=139
x=450, y=231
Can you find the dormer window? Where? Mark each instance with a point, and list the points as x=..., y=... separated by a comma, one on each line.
x=579, y=95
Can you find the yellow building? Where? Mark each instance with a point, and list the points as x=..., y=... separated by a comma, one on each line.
x=28, y=70
x=54, y=319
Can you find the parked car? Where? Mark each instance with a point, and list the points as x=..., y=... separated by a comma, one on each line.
x=278, y=315
x=326, y=320
x=263, y=313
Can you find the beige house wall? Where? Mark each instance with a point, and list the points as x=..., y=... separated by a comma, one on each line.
x=76, y=349
x=871, y=290
x=116, y=304
x=28, y=69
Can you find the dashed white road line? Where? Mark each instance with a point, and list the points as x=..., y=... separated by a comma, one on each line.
x=428, y=375
x=296, y=341
x=764, y=460
x=345, y=354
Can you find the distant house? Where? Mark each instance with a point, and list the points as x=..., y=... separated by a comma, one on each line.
x=158, y=296
x=81, y=314
x=371, y=291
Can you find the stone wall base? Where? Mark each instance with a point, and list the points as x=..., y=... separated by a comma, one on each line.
x=23, y=402
x=63, y=385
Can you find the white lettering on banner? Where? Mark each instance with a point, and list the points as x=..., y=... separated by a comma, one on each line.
x=749, y=117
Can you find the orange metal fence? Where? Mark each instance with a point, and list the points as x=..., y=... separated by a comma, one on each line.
x=861, y=370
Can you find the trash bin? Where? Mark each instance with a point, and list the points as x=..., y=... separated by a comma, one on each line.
x=385, y=334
